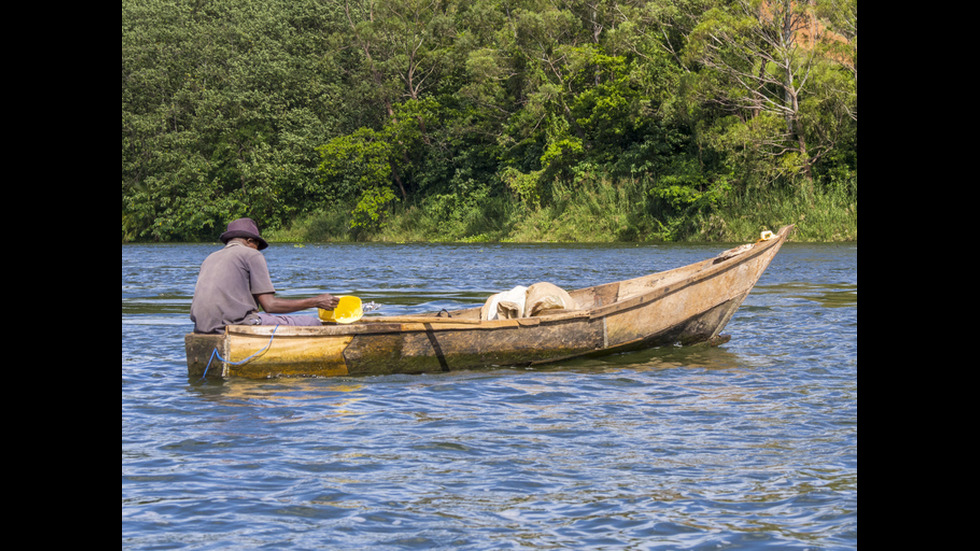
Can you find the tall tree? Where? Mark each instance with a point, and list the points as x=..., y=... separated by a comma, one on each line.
x=767, y=60
x=403, y=46
x=223, y=105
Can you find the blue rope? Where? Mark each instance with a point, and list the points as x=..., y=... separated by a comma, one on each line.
x=214, y=352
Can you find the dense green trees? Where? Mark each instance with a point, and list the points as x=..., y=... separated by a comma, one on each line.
x=481, y=116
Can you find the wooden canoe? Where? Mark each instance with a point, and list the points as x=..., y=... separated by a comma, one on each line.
x=686, y=305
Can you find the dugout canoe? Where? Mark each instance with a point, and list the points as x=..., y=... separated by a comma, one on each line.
x=686, y=305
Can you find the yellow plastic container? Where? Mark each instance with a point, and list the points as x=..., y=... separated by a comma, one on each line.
x=348, y=310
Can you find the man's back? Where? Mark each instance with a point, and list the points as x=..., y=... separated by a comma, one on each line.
x=226, y=285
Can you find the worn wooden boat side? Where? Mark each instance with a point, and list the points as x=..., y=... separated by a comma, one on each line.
x=686, y=305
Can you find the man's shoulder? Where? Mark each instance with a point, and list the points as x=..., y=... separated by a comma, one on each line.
x=236, y=254
x=238, y=251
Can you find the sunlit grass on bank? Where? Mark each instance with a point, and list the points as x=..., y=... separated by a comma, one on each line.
x=600, y=212
x=821, y=216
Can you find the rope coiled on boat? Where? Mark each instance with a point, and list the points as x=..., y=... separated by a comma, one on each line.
x=214, y=352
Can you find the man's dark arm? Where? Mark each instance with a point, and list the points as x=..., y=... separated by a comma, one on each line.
x=275, y=305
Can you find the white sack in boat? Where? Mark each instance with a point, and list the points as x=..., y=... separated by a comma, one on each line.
x=545, y=298
x=505, y=305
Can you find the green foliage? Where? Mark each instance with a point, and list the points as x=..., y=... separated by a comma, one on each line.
x=352, y=164
x=526, y=187
x=647, y=119
x=785, y=89
x=371, y=207
x=357, y=167
x=223, y=106
x=470, y=214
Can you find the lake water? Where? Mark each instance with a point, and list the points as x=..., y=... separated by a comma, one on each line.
x=749, y=445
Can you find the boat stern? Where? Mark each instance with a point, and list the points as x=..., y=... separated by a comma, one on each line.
x=203, y=353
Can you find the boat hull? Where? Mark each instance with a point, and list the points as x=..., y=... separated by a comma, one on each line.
x=686, y=306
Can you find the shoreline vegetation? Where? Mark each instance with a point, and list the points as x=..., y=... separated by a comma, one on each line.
x=489, y=120
x=604, y=216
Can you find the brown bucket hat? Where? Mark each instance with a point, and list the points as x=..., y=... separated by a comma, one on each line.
x=243, y=227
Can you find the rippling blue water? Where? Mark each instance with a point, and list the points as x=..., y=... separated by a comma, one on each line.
x=750, y=445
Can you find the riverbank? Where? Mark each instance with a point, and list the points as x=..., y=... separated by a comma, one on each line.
x=601, y=215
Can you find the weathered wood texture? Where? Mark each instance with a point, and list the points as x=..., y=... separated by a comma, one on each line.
x=686, y=305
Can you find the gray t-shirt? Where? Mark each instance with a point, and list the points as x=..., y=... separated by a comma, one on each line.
x=229, y=279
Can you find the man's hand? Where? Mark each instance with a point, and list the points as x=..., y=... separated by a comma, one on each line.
x=326, y=301
x=274, y=305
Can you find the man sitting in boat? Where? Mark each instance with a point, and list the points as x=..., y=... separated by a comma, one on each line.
x=234, y=281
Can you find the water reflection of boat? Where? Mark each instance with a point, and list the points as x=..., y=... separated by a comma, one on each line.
x=686, y=305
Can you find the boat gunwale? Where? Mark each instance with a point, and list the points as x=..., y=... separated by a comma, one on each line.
x=694, y=274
